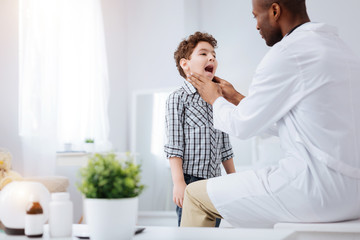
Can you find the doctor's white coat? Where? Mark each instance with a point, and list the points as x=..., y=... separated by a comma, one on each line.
x=306, y=90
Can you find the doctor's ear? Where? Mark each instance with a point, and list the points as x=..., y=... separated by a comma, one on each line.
x=276, y=10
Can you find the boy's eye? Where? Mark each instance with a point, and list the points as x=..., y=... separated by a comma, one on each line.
x=203, y=54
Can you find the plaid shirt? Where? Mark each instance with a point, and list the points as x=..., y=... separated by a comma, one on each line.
x=191, y=135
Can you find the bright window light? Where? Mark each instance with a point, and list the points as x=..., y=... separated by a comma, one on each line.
x=63, y=71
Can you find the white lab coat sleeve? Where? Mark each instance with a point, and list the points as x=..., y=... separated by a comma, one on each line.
x=272, y=131
x=277, y=87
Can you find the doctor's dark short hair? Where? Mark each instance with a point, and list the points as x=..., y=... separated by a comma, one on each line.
x=186, y=47
x=294, y=6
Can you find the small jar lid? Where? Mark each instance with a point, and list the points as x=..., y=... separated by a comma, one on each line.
x=34, y=198
x=60, y=196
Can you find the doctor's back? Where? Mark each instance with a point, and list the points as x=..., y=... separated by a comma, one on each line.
x=315, y=82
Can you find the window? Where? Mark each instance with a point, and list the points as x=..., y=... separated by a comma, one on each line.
x=63, y=71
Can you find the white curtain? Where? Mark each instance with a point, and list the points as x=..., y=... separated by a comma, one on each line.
x=63, y=79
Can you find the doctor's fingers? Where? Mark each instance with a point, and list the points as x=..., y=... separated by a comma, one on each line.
x=225, y=84
x=195, y=82
x=199, y=77
x=220, y=80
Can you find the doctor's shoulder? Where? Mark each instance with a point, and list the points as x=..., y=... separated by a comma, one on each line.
x=280, y=56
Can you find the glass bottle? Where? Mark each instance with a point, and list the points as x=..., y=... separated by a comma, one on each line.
x=34, y=219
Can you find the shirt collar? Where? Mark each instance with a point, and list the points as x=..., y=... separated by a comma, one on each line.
x=188, y=87
x=293, y=29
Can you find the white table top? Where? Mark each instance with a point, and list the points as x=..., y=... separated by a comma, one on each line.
x=175, y=233
x=344, y=227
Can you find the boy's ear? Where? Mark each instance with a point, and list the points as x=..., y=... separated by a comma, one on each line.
x=184, y=64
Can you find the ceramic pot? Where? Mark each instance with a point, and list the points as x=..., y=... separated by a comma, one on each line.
x=110, y=219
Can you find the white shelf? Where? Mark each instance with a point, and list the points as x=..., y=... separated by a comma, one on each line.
x=72, y=158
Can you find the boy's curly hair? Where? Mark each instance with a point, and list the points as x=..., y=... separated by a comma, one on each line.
x=186, y=47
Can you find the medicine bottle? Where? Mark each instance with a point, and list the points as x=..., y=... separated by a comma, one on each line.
x=34, y=218
x=60, y=215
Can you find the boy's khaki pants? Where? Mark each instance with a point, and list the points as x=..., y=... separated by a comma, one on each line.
x=198, y=210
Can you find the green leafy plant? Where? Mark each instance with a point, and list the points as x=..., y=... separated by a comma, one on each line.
x=89, y=140
x=106, y=176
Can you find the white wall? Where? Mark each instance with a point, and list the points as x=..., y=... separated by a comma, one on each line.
x=342, y=14
x=114, y=15
x=154, y=29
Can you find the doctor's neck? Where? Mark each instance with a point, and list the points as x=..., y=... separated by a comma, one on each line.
x=292, y=16
x=290, y=25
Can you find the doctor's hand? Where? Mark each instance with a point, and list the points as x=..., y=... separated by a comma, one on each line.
x=228, y=91
x=208, y=90
x=178, y=193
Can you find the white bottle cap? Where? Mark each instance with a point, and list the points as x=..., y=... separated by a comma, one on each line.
x=60, y=196
x=34, y=198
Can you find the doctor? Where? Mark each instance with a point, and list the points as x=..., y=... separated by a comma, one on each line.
x=306, y=91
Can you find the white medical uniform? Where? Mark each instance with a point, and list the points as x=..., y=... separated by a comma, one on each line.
x=308, y=86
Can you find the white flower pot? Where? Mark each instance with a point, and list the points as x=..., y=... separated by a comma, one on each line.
x=110, y=219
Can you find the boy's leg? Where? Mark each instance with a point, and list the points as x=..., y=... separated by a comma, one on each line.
x=198, y=210
x=178, y=213
x=217, y=222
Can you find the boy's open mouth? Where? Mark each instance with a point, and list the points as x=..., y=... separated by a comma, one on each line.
x=209, y=68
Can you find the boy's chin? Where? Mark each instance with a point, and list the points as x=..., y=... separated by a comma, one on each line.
x=210, y=78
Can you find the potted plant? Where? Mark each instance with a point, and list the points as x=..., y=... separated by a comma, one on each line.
x=111, y=187
x=89, y=145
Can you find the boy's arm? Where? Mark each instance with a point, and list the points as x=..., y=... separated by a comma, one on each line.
x=178, y=180
x=229, y=166
x=174, y=148
x=227, y=154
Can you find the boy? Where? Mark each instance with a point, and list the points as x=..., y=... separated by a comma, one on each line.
x=194, y=147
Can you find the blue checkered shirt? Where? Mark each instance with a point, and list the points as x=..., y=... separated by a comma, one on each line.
x=191, y=135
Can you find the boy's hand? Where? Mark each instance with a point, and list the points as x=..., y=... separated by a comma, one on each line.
x=228, y=91
x=178, y=193
x=208, y=90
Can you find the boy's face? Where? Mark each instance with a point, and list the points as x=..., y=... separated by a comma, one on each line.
x=202, y=61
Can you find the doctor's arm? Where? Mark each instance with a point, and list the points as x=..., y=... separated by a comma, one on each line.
x=276, y=88
x=228, y=91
